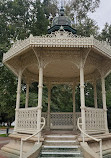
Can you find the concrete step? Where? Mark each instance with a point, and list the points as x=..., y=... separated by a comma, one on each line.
x=60, y=153
x=60, y=141
x=61, y=147
x=61, y=136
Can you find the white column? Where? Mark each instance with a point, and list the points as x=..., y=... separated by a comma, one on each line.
x=95, y=95
x=74, y=108
x=104, y=103
x=27, y=95
x=49, y=99
x=82, y=95
x=18, y=99
x=40, y=88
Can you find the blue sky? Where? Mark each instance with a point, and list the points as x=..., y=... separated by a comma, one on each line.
x=103, y=13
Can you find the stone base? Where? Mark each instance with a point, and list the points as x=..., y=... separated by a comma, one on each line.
x=95, y=146
x=13, y=147
x=8, y=155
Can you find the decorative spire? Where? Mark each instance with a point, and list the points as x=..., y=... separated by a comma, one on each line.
x=62, y=8
x=62, y=4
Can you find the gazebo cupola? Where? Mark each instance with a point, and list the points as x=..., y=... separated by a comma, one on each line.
x=63, y=21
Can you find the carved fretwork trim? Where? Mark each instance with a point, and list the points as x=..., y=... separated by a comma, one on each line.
x=58, y=39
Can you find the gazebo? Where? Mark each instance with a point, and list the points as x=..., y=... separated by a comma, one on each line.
x=60, y=57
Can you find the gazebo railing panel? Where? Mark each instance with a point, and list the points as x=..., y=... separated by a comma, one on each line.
x=61, y=120
x=27, y=120
x=94, y=120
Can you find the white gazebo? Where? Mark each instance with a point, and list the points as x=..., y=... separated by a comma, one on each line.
x=60, y=57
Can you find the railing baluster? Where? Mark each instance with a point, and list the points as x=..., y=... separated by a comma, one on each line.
x=25, y=139
x=85, y=134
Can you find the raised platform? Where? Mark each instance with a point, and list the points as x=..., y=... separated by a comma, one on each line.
x=106, y=143
x=13, y=147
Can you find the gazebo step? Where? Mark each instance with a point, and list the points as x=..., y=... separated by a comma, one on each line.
x=60, y=146
x=19, y=136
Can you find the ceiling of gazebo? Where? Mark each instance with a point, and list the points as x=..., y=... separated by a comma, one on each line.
x=60, y=70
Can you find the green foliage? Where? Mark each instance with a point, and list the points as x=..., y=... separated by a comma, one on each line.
x=61, y=99
x=50, y=8
x=78, y=12
x=89, y=95
x=87, y=27
x=106, y=33
x=18, y=19
x=79, y=9
x=3, y=135
x=8, y=86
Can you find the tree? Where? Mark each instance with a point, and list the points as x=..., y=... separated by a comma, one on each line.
x=79, y=9
x=105, y=35
x=18, y=19
x=50, y=8
x=87, y=27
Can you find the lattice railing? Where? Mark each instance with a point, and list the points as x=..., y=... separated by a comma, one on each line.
x=61, y=120
x=27, y=120
x=94, y=119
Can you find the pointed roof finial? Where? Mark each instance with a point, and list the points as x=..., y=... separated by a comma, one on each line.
x=62, y=4
x=62, y=8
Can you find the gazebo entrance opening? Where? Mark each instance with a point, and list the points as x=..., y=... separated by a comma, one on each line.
x=61, y=111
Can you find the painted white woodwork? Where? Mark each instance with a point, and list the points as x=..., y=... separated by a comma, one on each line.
x=49, y=99
x=27, y=120
x=82, y=95
x=94, y=119
x=45, y=115
x=74, y=108
x=62, y=55
x=40, y=88
x=62, y=120
x=27, y=95
x=58, y=39
x=104, y=103
x=18, y=99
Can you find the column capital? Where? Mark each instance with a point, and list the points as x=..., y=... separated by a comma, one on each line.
x=49, y=85
x=41, y=64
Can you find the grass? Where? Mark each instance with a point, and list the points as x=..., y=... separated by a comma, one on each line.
x=3, y=135
x=4, y=127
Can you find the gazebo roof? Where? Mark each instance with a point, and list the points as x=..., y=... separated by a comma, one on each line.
x=58, y=39
x=63, y=21
x=59, y=51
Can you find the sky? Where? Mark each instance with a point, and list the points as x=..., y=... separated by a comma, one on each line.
x=102, y=14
